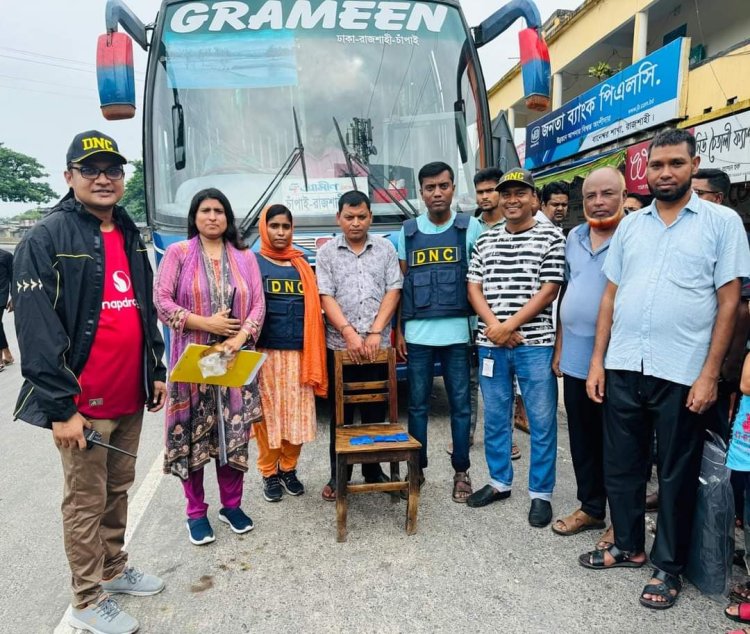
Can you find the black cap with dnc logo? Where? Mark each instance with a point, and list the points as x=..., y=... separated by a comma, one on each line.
x=516, y=177
x=93, y=143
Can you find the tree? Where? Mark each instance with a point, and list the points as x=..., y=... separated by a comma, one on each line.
x=17, y=175
x=134, y=199
x=29, y=214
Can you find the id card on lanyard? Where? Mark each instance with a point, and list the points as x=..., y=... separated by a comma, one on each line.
x=488, y=367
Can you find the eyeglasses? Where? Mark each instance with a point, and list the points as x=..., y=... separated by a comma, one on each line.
x=703, y=192
x=628, y=210
x=114, y=173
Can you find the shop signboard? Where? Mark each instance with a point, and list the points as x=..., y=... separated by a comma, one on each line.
x=725, y=144
x=636, y=162
x=644, y=95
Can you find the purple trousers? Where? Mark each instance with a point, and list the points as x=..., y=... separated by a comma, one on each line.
x=230, y=490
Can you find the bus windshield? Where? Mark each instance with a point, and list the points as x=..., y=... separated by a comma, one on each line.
x=230, y=77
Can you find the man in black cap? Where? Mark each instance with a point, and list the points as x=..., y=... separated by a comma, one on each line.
x=514, y=276
x=91, y=357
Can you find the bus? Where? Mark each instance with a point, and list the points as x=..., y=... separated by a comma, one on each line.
x=298, y=101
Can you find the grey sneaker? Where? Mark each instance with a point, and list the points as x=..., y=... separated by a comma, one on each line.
x=103, y=617
x=134, y=582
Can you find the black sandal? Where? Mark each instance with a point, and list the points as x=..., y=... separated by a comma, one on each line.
x=594, y=560
x=668, y=582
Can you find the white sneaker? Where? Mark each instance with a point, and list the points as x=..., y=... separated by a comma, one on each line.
x=134, y=582
x=103, y=617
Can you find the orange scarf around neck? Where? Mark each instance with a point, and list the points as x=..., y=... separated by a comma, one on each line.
x=314, y=371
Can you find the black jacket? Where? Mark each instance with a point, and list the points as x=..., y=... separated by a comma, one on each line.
x=57, y=293
x=6, y=274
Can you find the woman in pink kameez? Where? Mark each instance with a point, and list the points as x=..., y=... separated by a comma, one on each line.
x=208, y=290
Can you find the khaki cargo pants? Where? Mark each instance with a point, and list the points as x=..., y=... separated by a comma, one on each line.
x=95, y=506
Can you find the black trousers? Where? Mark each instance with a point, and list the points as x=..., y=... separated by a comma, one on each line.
x=3, y=338
x=721, y=423
x=369, y=412
x=635, y=405
x=585, y=427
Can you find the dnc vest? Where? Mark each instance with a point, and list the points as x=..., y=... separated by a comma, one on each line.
x=437, y=264
x=283, y=328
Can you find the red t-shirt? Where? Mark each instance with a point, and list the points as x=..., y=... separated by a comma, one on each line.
x=112, y=379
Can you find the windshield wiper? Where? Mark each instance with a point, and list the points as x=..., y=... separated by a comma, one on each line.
x=409, y=211
x=297, y=156
x=300, y=147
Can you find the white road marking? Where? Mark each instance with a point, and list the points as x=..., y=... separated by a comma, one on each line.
x=136, y=508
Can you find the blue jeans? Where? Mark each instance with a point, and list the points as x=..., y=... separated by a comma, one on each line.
x=454, y=360
x=532, y=366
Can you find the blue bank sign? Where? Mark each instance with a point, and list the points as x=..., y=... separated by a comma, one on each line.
x=639, y=97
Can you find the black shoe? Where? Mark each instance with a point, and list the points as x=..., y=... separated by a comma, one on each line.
x=272, y=491
x=382, y=478
x=291, y=483
x=486, y=495
x=652, y=502
x=540, y=513
x=379, y=478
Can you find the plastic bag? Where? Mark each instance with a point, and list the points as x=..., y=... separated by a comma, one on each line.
x=214, y=364
x=709, y=565
x=215, y=361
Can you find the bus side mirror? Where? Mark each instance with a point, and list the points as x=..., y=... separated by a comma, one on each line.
x=535, y=69
x=178, y=136
x=115, y=77
x=459, y=113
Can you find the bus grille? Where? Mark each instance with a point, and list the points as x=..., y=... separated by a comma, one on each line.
x=306, y=242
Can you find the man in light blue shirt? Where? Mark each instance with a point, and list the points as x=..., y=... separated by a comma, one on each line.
x=585, y=251
x=665, y=323
x=434, y=251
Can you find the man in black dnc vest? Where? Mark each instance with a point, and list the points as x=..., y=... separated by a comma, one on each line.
x=433, y=252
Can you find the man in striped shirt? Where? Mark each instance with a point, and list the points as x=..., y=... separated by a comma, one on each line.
x=514, y=276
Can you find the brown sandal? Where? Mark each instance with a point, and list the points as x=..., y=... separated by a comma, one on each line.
x=461, y=487
x=329, y=491
x=577, y=522
x=740, y=592
x=607, y=539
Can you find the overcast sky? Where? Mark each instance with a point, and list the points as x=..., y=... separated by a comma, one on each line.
x=48, y=79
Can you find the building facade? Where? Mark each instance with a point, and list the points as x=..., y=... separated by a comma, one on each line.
x=624, y=70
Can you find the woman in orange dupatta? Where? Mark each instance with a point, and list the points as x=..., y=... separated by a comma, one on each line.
x=293, y=337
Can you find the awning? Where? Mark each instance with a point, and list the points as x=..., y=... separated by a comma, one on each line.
x=580, y=169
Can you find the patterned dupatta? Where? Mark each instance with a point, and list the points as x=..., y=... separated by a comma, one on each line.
x=197, y=287
x=189, y=410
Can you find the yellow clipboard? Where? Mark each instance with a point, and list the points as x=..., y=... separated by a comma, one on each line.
x=242, y=372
